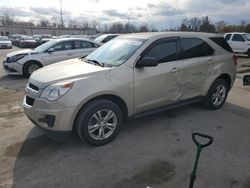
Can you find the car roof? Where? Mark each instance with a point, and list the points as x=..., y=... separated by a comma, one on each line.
x=70, y=39
x=149, y=35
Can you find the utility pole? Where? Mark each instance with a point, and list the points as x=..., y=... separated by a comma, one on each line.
x=61, y=13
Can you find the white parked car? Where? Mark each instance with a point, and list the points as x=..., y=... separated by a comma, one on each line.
x=25, y=62
x=5, y=42
x=239, y=42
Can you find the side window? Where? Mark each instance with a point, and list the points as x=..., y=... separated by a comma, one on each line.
x=194, y=47
x=164, y=51
x=59, y=46
x=68, y=45
x=86, y=44
x=228, y=36
x=94, y=45
x=78, y=44
x=238, y=38
x=63, y=46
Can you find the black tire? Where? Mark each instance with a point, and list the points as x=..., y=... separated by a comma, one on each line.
x=248, y=53
x=85, y=117
x=27, y=67
x=209, y=101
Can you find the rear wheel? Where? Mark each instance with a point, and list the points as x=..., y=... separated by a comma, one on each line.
x=99, y=122
x=248, y=53
x=217, y=94
x=30, y=67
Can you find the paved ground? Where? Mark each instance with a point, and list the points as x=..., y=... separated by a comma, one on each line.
x=154, y=151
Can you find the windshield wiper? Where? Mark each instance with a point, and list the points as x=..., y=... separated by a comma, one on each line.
x=95, y=62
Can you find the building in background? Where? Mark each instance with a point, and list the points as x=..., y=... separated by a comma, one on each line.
x=10, y=30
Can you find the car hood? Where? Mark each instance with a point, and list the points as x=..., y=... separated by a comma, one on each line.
x=19, y=52
x=66, y=70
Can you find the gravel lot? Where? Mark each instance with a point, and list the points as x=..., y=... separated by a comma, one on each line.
x=154, y=151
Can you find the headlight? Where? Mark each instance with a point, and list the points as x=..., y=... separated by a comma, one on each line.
x=16, y=58
x=56, y=91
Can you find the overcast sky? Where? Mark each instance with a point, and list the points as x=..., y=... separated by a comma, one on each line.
x=160, y=13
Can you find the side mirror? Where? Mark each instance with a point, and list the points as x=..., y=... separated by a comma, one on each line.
x=51, y=50
x=147, y=62
x=246, y=80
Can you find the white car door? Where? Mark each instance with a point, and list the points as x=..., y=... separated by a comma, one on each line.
x=238, y=43
x=62, y=51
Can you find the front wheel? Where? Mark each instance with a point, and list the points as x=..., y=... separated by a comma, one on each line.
x=30, y=67
x=217, y=94
x=99, y=122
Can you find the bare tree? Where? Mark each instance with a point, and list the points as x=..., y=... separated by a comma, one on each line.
x=220, y=25
x=44, y=23
x=7, y=19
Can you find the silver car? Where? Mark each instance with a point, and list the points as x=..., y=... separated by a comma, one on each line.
x=25, y=62
x=130, y=76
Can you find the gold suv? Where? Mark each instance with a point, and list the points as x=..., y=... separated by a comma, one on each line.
x=130, y=76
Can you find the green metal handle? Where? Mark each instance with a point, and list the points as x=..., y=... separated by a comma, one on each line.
x=199, y=149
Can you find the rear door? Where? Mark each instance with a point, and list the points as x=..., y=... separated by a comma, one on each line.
x=161, y=85
x=197, y=60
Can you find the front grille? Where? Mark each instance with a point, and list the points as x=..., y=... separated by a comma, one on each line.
x=29, y=101
x=32, y=86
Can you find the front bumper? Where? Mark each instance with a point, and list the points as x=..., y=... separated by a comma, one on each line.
x=12, y=68
x=4, y=46
x=49, y=115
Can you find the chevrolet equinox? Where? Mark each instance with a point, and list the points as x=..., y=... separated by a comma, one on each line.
x=130, y=76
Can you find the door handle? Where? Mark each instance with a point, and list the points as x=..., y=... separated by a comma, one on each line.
x=69, y=54
x=210, y=61
x=175, y=70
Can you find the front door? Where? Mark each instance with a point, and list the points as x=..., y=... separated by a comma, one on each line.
x=161, y=85
x=63, y=51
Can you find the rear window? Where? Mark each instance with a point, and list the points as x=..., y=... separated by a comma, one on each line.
x=222, y=43
x=228, y=36
x=194, y=47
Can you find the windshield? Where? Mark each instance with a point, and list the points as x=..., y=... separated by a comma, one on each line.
x=45, y=46
x=247, y=36
x=4, y=39
x=116, y=52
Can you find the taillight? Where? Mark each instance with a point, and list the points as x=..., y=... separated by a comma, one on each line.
x=235, y=58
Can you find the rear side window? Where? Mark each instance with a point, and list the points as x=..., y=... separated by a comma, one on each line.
x=67, y=45
x=238, y=38
x=194, y=47
x=84, y=44
x=228, y=36
x=164, y=51
x=222, y=43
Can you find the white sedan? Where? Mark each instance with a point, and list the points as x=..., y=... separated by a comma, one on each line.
x=5, y=42
x=24, y=62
